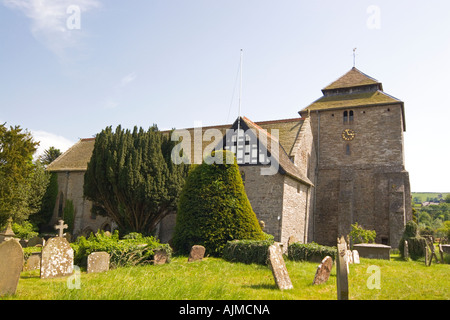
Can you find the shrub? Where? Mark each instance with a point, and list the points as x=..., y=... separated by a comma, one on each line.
x=416, y=243
x=214, y=208
x=361, y=235
x=310, y=251
x=247, y=251
x=126, y=252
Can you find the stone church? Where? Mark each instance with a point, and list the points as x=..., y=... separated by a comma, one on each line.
x=340, y=162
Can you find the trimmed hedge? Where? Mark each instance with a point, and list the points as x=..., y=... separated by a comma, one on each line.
x=247, y=251
x=130, y=251
x=416, y=243
x=310, y=252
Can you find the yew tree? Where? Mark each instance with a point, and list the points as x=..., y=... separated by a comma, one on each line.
x=131, y=178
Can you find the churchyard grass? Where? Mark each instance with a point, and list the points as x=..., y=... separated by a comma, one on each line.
x=215, y=278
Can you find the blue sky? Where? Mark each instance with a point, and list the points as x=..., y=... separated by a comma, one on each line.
x=65, y=76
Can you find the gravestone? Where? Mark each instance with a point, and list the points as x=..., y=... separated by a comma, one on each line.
x=406, y=250
x=33, y=262
x=197, y=253
x=8, y=233
x=441, y=253
x=355, y=255
x=373, y=250
x=349, y=256
x=98, y=262
x=341, y=270
x=56, y=258
x=291, y=240
x=323, y=270
x=11, y=263
x=278, y=267
x=161, y=257
x=35, y=241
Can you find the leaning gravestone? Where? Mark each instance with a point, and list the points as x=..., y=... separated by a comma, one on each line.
x=278, y=267
x=56, y=258
x=323, y=270
x=11, y=263
x=98, y=262
x=341, y=270
x=197, y=253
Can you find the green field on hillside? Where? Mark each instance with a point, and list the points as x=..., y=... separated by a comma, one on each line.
x=423, y=196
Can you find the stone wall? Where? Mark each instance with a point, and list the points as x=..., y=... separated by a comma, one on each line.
x=70, y=187
x=366, y=182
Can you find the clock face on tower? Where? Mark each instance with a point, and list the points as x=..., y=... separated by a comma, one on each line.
x=348, y=134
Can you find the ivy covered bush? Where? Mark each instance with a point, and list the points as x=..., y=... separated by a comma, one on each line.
x=213, y=208
x=416, y=243
x=132, y=250
x=310, y=252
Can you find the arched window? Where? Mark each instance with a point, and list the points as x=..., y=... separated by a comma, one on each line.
x=347, y=150
x=345, y=117
x=350, y=118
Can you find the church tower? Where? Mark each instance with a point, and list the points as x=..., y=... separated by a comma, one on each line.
x=360, y=177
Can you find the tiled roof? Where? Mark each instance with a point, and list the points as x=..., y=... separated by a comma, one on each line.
x=353, y=78
x=283, y=158
x=78, y=156
x=352, y=100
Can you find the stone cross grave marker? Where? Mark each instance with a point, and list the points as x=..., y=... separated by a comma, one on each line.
x=278, y=267
x=323, y=270
x=11, y=263
x=61, y=226
x=341, y=270
x=197, y=253
x=98, y=262
x=56, y=258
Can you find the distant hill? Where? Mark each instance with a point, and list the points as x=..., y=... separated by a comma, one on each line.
x=428, y=196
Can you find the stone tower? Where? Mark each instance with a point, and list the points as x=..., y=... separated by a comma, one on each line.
x=360, y=177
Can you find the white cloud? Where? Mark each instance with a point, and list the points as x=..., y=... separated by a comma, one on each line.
x=48, y=140
x=51, y=19
x=128, y=79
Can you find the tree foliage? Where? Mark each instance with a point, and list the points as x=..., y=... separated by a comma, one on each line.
x=131, y=178
x=214, y=208
x=49, y=155
x=22, y=181
x=416, y=243
x=360, y=235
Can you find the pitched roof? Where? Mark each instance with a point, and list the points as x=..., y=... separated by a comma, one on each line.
x=352, y=100
x=353, y=78
x=286, y=165
x=77, y=157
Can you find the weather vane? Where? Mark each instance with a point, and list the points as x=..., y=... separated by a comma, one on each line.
x=354, y=57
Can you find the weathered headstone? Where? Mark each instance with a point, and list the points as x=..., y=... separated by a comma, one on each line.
x=278, y=267
x=426, y=255
x=36, y=241
x=291, y=240
x=355, y=254
x=56, y=258
x=11, y=263
x=323, y=270
x=341, y=270
x=161, y=257
x=197, y=253
x=349, y=256
x=441, y=253
x=98, y=262
x=8, y=233
x=33, y=262
x=406, y=250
